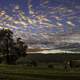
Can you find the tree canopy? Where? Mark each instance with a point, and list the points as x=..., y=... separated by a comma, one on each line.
x=10, y=51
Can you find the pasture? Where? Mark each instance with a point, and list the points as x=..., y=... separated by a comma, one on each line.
x=47, y=67
x=22, y=72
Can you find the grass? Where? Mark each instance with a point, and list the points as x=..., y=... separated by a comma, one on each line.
x=20, y=72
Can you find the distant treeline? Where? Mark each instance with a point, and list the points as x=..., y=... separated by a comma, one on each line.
x=46, y=58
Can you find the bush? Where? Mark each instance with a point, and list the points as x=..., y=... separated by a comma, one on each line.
x=34, y=63
x=50, y=66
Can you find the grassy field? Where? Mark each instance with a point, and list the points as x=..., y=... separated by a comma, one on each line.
x=20, y=72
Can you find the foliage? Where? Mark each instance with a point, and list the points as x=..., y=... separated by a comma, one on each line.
x=34, y=63
x=50, y=66
x=10, y=50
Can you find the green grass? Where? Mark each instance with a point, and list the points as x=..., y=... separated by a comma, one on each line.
x=20, y=72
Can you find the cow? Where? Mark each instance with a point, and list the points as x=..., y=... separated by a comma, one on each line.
x=69, y=64
x=74, y=63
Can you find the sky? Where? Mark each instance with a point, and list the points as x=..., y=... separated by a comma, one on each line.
x=40, y=19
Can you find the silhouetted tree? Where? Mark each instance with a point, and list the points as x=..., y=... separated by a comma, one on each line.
x=21, y=47
x=10, y=50
x=5, y=42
